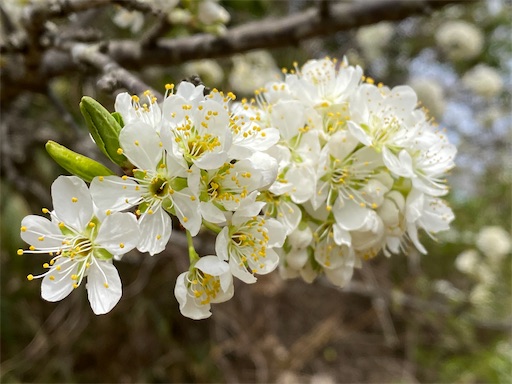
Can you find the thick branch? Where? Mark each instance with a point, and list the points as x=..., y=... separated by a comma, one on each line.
x=270, y=33
x=113, y=73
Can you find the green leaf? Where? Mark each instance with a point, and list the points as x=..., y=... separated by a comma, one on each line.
x=104, y=128
x=119, y=118
x=75, y=163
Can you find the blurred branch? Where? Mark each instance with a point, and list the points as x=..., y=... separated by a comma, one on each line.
x=45, y=63
x=114, y=76
x=269, y=33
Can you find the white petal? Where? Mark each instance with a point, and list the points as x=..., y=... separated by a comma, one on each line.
x=289, y=215
x=212, y=265
x=211, y=160
x=115, y=194
x=187, y=210
x=241, y=272
x=297, y=258
x=267, y=167
x=104, y=288
x=38, y=227
x=119, y=233
x=187, y=305
x=221, y=244
x=155, y=232
x=351, y=216
x=401, y=165
x=340, y=235
x=267, y=264
x=212, y=213
x=276, y=233
x=62, y=285
x=72, y=201
x=340, y=276
x=359, y=133
x=141, y=145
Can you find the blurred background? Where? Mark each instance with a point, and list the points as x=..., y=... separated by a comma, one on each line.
x=443, y=317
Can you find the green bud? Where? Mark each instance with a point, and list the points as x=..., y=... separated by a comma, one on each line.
x=104, y=129
x=75, y=163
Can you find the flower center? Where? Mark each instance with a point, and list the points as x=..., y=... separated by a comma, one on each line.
x=205, y=287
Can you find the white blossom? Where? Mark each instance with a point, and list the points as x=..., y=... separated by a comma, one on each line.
x=494, y=242
x=459, y=40
x=247, y=242
x=208, y=281
x=82, y=245
x=484, y=81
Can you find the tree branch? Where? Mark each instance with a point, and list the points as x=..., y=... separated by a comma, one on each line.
x=268, y=33
x=115, y=76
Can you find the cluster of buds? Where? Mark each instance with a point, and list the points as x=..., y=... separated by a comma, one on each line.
x=315, y=174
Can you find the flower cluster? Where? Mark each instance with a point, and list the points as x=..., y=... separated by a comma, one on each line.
x=361, y=169
x=315, y=174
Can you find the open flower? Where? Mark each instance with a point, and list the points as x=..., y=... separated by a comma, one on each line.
x=81, y=244
x=208, y=281
x=158, y=185
x=197, y=129
x=248, y=241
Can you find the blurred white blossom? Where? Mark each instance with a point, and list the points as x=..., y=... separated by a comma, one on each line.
x=374, y=38
x=430, y=94
x=468, y=261
x=484, y=81
x=209, y=71
x=252, y=71
x=459, y=40
x=494, y=242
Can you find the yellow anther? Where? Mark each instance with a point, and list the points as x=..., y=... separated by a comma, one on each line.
x=62, y=225
x=46, y=265
x=124, y=177
x=23, y=228
x=169, y=86
x=185, y=219
x=135, y=98
x=150, y=212
x=105, y=285
x=119, y=151
x=19, y=252
x=52, y=278
x=40, y=238
x=91, y=224
x=136, y=142
x=121, y=245
x=108, y=212
x=45, y=210
x=32, y=248
x=58, y=267
x=74, y=277
x=74, y=199
x=75, y=285
x=30, y=277
x=158, y=237
x=101, y=178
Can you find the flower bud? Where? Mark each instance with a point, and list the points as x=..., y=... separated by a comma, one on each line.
x=75, y=163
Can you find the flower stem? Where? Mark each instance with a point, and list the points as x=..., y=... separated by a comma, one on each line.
x=192, y=254
x=212, y=227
